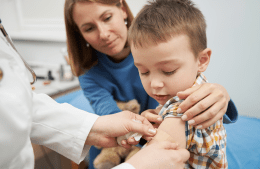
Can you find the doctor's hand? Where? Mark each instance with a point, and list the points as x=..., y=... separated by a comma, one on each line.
x=107, y=128
x=160, y=155
x=204, y=104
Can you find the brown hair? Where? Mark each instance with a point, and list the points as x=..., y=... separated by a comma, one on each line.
x=82, y=57
x=160, y=20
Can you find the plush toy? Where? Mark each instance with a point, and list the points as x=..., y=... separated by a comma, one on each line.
x=110, y=157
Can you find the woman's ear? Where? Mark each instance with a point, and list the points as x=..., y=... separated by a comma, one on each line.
x=203, y=59
x=123, y=9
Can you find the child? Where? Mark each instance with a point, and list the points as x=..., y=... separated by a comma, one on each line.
x=169, y=46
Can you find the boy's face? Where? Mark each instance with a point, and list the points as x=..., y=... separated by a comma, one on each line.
x=166, y=68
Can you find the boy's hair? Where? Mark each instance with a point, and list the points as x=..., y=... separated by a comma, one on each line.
x=160, y=20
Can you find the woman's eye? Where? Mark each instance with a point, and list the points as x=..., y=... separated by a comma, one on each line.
x=169, y=73
x=108, y=18
x=88, y=29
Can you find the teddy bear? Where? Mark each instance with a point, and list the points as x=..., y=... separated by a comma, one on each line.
x=111, y=157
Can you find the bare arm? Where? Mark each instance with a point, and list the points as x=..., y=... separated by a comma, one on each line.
x=175, y=128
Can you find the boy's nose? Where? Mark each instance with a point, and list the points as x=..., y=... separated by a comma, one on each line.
x=156, y=83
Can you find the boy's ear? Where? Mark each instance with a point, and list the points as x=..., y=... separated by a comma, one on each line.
x=203, y=59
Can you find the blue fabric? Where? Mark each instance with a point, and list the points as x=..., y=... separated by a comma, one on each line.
x=243, y=147
x=76, y=99
x=108, y=81
x=93, y=153
x=231, y=114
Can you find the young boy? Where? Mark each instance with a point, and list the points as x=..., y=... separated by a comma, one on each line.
x=169, y=46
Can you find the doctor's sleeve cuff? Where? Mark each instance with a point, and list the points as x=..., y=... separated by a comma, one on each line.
x=124, y=166
x=231, y=114
x=61, y=127
x=84, y=131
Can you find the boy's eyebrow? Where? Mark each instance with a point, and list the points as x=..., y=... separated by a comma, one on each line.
x=137, y=64
x=159, y=63
x=99, y=17
x=166, y=61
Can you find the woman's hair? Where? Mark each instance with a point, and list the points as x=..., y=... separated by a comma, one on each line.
x=82, y=57
x=160, y=20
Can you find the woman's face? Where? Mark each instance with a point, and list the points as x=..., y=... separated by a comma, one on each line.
x=102, y=26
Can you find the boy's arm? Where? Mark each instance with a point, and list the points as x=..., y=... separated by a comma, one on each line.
x=172, y=129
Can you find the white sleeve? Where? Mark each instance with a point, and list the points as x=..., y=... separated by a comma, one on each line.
x=124, y=166
x=61, y=127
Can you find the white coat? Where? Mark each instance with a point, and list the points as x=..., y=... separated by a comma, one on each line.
x=27, y=117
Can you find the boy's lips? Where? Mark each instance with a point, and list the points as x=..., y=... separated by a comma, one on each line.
x=161, y=97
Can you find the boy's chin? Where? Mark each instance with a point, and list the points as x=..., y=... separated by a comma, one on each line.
x=161, y=102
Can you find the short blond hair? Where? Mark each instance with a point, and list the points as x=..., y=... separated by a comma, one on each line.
x=161, y=20
x=81, y=57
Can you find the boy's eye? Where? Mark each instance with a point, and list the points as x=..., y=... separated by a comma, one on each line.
x=145, y=73
x=169, y=73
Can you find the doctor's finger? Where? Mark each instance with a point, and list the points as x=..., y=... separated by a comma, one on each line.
x=144, y=128
x=140, y=119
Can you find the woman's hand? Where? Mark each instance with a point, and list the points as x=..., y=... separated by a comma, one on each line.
x=204, y=104
x=152, y=116
x=107, y=128
x=160, y=155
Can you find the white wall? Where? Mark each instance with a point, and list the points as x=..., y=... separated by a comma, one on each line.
x=233, y=35
x=46, y=52
x=37, y=28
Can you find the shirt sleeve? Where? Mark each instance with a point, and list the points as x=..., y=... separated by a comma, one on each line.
x=99, y=98
x=124, y=166
x=61, y=127
x=207, y=146
x=231, y=114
